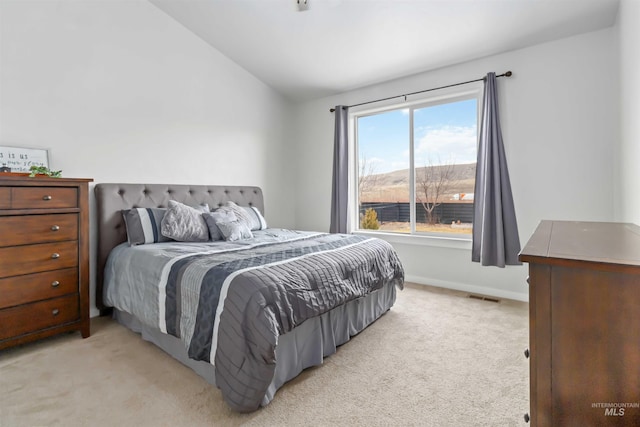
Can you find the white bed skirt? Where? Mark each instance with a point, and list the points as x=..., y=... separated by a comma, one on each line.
x=303, y=347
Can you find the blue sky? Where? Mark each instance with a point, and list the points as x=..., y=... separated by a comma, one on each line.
x=443, y=134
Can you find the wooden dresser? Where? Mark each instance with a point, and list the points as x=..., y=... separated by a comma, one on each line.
x=44, y=258
x=584, y=316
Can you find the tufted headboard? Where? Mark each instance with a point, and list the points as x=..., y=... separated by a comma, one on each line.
x=113, y=198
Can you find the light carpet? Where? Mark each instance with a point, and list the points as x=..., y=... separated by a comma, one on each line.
x=437, y=358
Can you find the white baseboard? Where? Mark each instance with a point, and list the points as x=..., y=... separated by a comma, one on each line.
x=474, y=289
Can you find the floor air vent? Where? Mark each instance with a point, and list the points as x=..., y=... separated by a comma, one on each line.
x=483, y=298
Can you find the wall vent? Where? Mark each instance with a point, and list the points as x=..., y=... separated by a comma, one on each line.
x=483, y=298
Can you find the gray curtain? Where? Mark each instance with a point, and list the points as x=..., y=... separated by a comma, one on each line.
x=340, y=186
x=495, y=230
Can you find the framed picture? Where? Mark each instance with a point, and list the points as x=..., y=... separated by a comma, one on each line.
x=20, y=159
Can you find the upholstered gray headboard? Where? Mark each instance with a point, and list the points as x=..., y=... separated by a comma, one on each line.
x=111, y=199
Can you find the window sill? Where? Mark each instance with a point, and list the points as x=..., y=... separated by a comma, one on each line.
x=420, y=240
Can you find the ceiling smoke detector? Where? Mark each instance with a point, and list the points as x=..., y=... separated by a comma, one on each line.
x=303, y=5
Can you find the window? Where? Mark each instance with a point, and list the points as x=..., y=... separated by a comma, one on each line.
x=416, y=166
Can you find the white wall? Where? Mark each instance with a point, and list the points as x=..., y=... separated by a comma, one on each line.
x=108, y=85
x=559, y=123
x=120, y=92
x=628, y=199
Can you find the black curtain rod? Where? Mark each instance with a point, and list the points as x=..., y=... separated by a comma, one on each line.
x=507, y=74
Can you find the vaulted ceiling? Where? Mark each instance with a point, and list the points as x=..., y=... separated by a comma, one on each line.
x=340, y=45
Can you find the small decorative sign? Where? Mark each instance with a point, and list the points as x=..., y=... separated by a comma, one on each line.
x=21, y=159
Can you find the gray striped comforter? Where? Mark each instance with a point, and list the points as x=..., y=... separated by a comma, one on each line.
x=229, y=302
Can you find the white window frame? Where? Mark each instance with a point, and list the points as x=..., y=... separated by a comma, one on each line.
x=442, y=96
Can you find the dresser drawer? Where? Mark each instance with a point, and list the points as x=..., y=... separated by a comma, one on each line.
x=5, y=198
x=39, y=315
x=27, y=229
x=43, y=197
x=20, y=260
x=38, y=286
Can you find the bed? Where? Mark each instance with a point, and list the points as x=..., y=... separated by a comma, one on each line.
x=247, y=315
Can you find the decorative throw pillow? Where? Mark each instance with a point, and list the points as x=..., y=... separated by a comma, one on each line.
x=250, y=216
x=257, y=220
x=217, y=216
x=234, y=230
x=143, y=225
x=240, y=213
x=184, y=223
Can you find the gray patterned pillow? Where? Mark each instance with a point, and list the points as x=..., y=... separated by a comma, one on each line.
x=234, y=230
x=217, y=216
x=143, y=225
x=250, y=216
x=184, y=223
x=238, y=211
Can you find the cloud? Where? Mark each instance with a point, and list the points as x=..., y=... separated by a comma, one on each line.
x=446, y=144
x=374, y=160
x=372, y=165
x=376, y=165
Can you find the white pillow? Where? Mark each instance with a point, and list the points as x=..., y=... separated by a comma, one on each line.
x=184, y=223
x=250, y=216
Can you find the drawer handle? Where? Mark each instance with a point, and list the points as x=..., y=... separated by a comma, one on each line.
x=526, y=418
x=55, y=227
x=528, y=281
x=55, y=311
x=526, y=353
x=55, y=255
x=55, y=284
x=47, y=197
